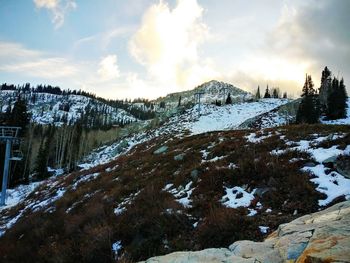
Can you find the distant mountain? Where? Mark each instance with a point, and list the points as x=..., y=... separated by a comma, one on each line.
x=47, y=108
x=212, y=91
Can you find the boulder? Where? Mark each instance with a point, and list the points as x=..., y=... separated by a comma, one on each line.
x=320, y=237
x=331, y=159
x=194, y=175
x=342, y=165
x=161, y=150
x=211, y=255
x=310, y=164
x=179, y=157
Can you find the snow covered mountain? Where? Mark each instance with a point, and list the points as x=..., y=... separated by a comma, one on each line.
x=46, y=108
x=211, y=91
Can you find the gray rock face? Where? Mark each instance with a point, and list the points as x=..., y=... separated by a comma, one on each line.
x=194, y=175
x=310, y=164
x=179, y=157
x=342, y=165
x=161, y=150
x=320, y=237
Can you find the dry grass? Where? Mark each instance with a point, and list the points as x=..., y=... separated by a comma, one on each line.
x=154, y=223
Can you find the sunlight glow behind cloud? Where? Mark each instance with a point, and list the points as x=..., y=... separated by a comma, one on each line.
x=167, y=44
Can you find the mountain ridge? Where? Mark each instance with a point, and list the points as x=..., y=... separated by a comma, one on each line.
x=213, y=90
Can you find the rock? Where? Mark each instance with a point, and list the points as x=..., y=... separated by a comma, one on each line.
x=310, y=164
x=342, y=165
x=320, y=237
x=260, y=251
x=210, y=255
x=194, y=175
x=179, y=157
x=161, y=150
x=330, y=160
x=261, y=191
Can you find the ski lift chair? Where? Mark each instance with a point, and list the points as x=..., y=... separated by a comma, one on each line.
x=17, y=155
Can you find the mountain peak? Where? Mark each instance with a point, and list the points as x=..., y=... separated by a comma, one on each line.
x=213, y=90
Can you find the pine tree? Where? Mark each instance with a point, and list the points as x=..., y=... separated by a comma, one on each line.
x=258, y=95
x=308, y=111
x=285, y=96
x=43, y=155
x=267, y=93
x=179, y=103
x=19, y=116
x=343, y=96
x=41, y=163
x=228, y=99
x=336, y=100
x=325, y=88
x=275, y=93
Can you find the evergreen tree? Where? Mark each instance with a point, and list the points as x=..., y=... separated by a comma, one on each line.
x=179, y=103
x=308, y=111
x=41, y=163
x=19, y=116
x=336, y=100
x=228, y=99
x=43, y=155
x=267, y=93
x=275, y=93
x=285, y=96
x=258, y=95
x=325, y=88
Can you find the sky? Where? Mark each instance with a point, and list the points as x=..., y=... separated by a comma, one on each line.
x=149, y=48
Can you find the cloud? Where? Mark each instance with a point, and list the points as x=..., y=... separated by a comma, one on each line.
x=306, y=38
x=58, y=9
x=167, y=44
x=17, y=59
x=108, y=68
x=316, y=33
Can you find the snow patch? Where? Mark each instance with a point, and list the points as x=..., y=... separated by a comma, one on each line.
x=332, y=184
x=237, y=197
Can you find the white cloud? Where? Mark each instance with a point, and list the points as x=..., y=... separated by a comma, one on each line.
x=58, y=9
x=17, y=59
x=108, y=68
x=167, y=44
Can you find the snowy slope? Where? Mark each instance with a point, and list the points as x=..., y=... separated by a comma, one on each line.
x=50, y=108
x=286, y=114
x=213, y=118
x=226, y=117
x=212, y=91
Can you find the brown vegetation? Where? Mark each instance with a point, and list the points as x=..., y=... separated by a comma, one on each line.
x=82, y=225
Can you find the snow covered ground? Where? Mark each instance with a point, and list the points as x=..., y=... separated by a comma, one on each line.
x=214, y=118
x=328, y=182
x=17, y=194
x=49, y=108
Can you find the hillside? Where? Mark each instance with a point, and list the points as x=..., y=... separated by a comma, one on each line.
x=318, y=237
x=186, y=123
x=46, y=108
x=212, y=91
x=171, y=194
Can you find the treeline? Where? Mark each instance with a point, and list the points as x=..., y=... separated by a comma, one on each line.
x=44, y=146
x=273, y=93
x=94, y=115
x=143, y=113
x=329, y=102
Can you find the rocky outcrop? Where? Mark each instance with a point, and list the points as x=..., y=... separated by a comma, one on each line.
x=320, y=237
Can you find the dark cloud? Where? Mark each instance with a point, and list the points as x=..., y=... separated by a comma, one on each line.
x=319, y=32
